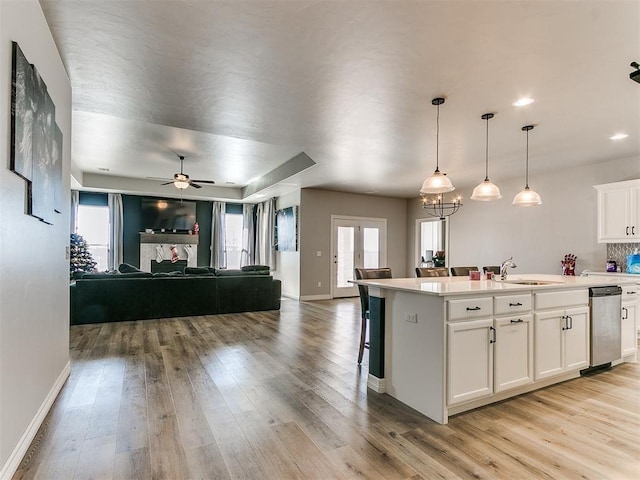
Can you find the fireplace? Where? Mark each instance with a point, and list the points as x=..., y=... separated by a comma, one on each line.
x=154, y=247
x=167, y=266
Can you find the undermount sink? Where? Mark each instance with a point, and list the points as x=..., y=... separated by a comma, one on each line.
x=530, y=282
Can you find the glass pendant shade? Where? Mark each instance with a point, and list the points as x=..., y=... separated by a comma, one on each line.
x=527, y=198
x=486, y=191
x=436, y=183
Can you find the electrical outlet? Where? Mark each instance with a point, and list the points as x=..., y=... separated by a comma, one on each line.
x=319, y=284
x=412, y=317
x=318, y=253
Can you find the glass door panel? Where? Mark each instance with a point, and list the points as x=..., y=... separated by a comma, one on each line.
x=345, y=258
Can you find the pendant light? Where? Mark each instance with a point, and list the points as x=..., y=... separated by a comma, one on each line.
x=438, y=182
x=486, y=191
x=527, y=197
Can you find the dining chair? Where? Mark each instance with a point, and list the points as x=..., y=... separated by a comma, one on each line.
x=363, y=290
x=432, y=272
x=493, y=268
x=461, y=271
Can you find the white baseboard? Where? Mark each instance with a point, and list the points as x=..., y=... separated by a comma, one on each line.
x=377, y=384
x=13, y=462
x=306, y=298
x=291, y=296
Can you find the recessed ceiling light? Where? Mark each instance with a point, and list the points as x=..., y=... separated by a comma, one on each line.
x=618, y=136
x=103, y=169
x=230, y=183
x=521, y=102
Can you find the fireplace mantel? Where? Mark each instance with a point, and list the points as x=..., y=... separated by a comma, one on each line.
x=168, y=238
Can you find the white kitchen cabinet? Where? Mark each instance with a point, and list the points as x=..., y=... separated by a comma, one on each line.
x=470, y=360
x=561, y=341
x=619, y=212
x=513, y=352
x=629, y=320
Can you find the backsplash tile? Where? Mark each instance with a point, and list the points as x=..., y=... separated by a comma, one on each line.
x=619, y=252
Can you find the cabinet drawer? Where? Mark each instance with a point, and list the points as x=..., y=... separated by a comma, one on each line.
x=470, y=308
x=630, y=293
x=511, y=304
x=561, y=299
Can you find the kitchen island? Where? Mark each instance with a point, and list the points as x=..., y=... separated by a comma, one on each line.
x=444, y=345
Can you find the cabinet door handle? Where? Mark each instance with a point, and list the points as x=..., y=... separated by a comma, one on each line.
x=473, y=309
x=564, y=323
x=570, y=319
x=627, y=230
x=517, y=321
x=626, y=313
x=633, y=230
x=493, y=335
x=631, y=293
x=515, y=304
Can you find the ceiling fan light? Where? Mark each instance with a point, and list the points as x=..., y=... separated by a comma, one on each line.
x=181, y=184
x=436, y=183
x=486, y=191
x=527, y=198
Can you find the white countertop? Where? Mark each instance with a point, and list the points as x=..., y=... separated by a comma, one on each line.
x=445, y=286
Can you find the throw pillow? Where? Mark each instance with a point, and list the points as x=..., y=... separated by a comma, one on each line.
x=197, y=271
x=254, y=268
x=126, y=268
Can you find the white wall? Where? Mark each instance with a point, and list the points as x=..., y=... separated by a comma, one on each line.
x=34, y=286
x=485, y=233
x=288, y=263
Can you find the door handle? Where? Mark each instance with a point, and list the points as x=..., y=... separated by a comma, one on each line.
x=627, y=230
x=633, y=230
x=570, y=319
x=492, y=331
x=472, y=309
x=517, y=321
x=626, y=313
x=515, y=304
x=565, y=323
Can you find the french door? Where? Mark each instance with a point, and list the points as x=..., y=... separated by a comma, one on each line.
x=356, y=242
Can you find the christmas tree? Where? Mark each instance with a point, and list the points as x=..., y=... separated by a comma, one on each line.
x=81, y=259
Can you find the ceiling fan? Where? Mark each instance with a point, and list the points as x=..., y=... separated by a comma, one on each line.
x=182, y=181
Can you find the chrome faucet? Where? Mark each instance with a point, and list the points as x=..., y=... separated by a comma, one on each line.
x=503, y=267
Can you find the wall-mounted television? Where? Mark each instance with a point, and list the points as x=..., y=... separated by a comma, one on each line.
x=168, y=214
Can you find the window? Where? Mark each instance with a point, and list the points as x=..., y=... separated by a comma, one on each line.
x=233, y=239
x=93, y=225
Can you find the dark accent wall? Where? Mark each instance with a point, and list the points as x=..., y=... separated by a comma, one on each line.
x=94, y=198
x=131, y=228
x=132, y=219
x=203, y=215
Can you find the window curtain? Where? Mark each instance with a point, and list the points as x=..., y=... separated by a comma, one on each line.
x=75, y=201
x=218, y=247
x=265, y=223
x=115, y=231
x=247, y=256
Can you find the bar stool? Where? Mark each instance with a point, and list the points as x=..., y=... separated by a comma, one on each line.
x=366, y=274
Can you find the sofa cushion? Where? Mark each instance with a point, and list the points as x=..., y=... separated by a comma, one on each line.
x=126, y=268
x=176, y=273
x=197, y=271
x=256, y=268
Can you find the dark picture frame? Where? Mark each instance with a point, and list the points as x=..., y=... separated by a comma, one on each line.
x=286, y=231
x=36, y=140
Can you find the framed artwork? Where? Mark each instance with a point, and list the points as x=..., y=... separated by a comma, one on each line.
x=286, y=232
x=36, y=140
x=22, y=114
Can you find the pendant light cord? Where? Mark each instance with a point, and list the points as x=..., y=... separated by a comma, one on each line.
x=526, y=175
x=486, y=156
x=437, y=138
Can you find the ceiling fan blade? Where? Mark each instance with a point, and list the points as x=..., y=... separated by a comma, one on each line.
x=194, y=185
x=168, y=183
x=204, y=181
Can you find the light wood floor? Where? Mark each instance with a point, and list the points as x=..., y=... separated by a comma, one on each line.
x=278, y=395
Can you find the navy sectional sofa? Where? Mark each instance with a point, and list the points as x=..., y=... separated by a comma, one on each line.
x=135, y=295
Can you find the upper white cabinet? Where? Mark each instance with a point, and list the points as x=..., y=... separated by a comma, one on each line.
x=619, y=212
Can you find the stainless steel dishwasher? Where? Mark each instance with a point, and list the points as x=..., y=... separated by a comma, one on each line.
x=605, y=303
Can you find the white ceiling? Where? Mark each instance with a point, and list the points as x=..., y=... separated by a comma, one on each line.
x=241, y=87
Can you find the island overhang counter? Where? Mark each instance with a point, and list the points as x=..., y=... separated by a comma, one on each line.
x=444, y=345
